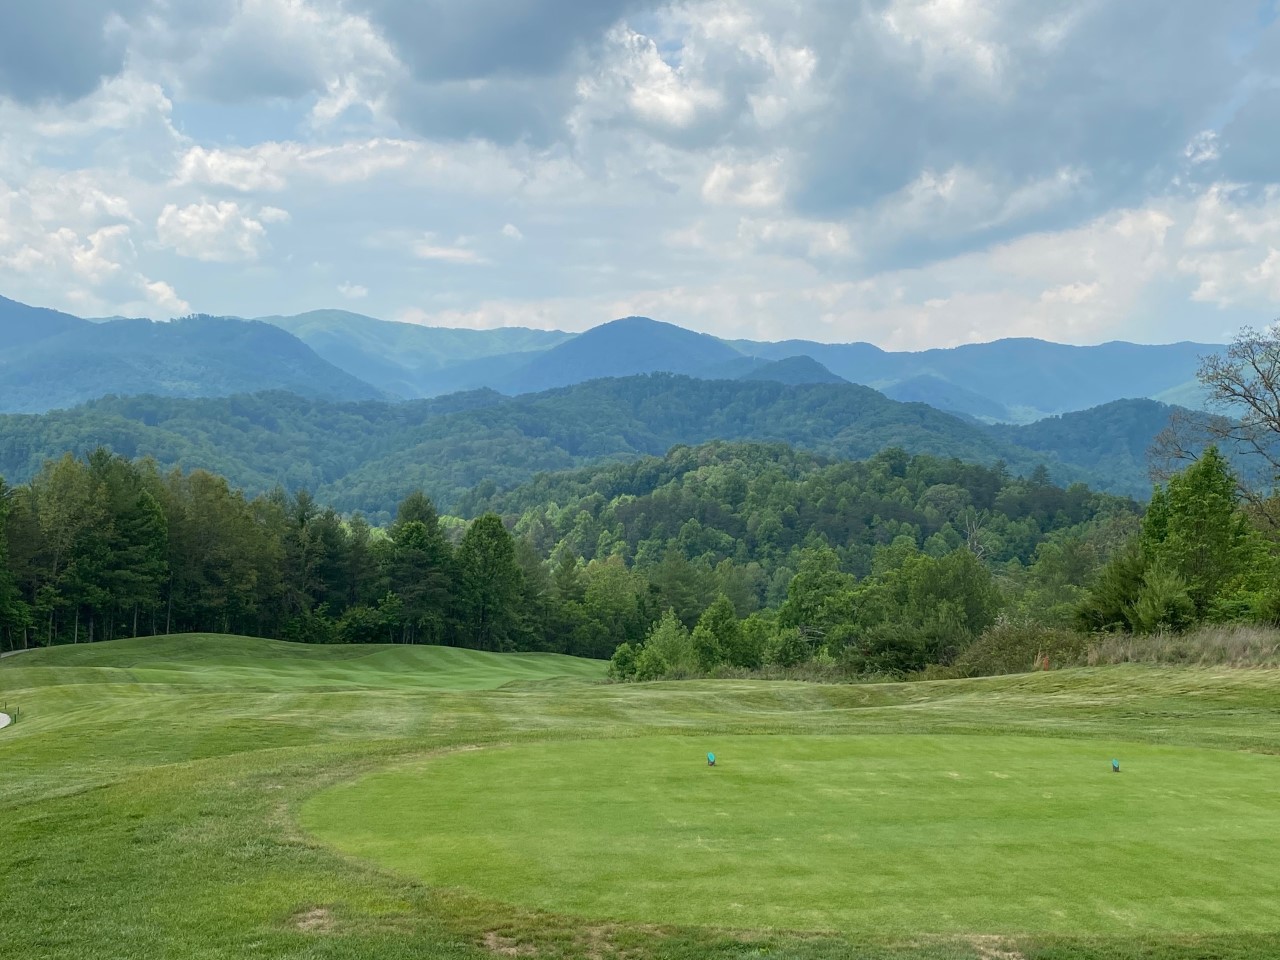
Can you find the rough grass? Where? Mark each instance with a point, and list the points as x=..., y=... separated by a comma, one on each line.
x=1234, y=645
x=149, y=798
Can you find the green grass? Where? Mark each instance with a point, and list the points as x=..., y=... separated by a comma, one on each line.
x=156, y=795
x=891, y=834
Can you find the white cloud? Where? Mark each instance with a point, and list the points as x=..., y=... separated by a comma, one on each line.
x=218, y=233
x=458, y=252
x=757, y=184
x=163, y=296
x=1231, y=247
x=799, y=238
x=912, y=171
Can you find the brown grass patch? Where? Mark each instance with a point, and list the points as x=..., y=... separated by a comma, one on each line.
x=995, y=948
x=496, y=943
x=315, y=920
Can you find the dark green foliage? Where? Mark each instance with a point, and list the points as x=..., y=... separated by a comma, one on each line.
x=464, y=449
x=1197, y=558
x=1113, y=440
x=489, y=584
x=793, y=370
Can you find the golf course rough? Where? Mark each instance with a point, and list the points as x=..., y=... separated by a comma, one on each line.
x=914, y=834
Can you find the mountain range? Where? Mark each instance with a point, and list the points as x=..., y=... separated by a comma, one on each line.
x=368, y=455
x=50, y=360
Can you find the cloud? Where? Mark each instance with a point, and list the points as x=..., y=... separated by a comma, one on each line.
x=911, y=171
x=744, y=185
x=214, y=232
x=1232, y=247
x=458, y=252
x=61, y=49
x=163, y=296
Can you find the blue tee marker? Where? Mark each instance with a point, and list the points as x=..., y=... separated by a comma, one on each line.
x=1115, y=766
x=711, y=759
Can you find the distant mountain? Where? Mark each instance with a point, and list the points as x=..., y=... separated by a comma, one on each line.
x=622, y=348
x=1029, y=378
x=945, y=395
x=21, y=325
x=1011, y=381
x=1113, y=440
x=410, y=360
x=1017, y=380
x=367, y=456
x=793, y=370
x=194, y=356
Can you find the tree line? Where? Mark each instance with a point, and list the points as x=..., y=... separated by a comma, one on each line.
x=103, y=547
x=712, y=558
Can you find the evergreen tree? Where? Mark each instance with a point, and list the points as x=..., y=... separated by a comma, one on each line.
x=12, y=614
x=489, y=585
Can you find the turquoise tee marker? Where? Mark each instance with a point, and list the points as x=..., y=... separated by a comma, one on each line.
x=711, y=759
x=1115, y=766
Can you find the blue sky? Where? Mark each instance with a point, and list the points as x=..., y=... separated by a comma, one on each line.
x=914, y=173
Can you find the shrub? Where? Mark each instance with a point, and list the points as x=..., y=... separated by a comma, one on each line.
x=1018, y=646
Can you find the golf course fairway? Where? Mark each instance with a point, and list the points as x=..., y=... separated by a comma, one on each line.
x=894, y=833
x=206, y=797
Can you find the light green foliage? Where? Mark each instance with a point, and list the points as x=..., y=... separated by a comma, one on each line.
x=787, y=648
x=669, y=644
x=809, y=595
x=622, y=665
x=1202, y=533
x=717, y=638
x=1164, y=602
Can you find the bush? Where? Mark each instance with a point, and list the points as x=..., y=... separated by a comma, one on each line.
x=622, y=665
x=1018, y=646
x=787, y=648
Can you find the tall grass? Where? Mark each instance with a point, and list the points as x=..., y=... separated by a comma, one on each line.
x=1211, y=645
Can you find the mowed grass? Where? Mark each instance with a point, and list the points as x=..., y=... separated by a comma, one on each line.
x=155, y=797
x=897, y=834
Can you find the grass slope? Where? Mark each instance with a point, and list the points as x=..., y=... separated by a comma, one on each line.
x=150, y=798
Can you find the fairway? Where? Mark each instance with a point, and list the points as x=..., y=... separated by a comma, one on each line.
x=213, y=798
x=893, y=834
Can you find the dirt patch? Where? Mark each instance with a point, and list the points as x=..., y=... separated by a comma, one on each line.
x=496, y=943
x=995, y=948
x=317, y=920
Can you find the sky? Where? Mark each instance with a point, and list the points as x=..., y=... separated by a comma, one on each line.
x=913, y=173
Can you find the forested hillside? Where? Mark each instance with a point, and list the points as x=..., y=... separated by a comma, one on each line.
x=106, y=547
x=367, y=456
x=713, y=558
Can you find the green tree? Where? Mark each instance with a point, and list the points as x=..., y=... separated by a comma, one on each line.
x=490, y=585
x=668, y=649
x=1206, y=538
x=718, y=638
